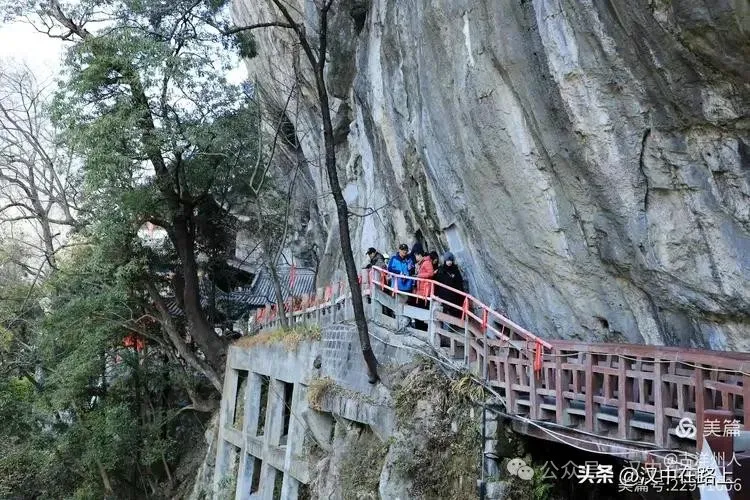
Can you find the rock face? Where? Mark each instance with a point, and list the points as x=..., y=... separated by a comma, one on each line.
x=588, y=162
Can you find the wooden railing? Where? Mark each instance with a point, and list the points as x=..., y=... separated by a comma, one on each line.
x=621, y=391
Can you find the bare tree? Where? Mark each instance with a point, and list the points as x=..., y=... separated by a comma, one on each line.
x=39, y=190
x=270, y=208
x=316, y=57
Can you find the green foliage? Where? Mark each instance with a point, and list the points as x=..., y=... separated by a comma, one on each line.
x=163, y=137
x=97, y=407
x=130, y=95
x=246, y=45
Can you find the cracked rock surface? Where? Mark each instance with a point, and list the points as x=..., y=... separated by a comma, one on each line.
x=588, y=162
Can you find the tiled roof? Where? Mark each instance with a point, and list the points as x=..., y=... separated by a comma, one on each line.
x=172, y=307
x=262, y=291
x=235, y=304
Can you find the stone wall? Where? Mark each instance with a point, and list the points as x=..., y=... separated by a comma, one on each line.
x=266, y=426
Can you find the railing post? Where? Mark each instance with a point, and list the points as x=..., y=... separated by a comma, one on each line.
x=398, y=308
x=431, y=322
x=700, y=406
x=346, y=294
x=350, y=303
x=589, y=395
x=559, y=398
x=467, y=338
x=510, y=395
x=333, y=304
x=533, y=406
x=746, y=401
x=660, y=426
x=623, y=420
x=373, y=305
x=317, y=309
x=485, y=315
x=467, y=347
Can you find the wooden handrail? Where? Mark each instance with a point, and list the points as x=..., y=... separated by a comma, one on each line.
x=478, y=304
x=626, y=391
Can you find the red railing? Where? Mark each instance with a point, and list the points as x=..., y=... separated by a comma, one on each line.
x=470, y=307
x=620, y=391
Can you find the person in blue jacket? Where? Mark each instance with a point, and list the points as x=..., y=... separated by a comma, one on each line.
x=402, y=263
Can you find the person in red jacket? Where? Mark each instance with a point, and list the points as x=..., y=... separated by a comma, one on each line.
x=426, y=271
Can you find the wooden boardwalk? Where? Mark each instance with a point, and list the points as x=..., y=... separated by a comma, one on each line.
x=611, y=393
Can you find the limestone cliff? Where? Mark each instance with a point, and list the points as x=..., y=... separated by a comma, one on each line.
x=588, y=162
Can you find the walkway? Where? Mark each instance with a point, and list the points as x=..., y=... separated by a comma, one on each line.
x=630, y=394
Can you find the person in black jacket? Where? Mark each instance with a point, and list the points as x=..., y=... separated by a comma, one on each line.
x=435, y=262
x=376, y=259
x=449, y=275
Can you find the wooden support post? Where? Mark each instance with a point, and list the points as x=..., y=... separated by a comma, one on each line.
x=484, y=357
x=533, y=403
x=485, y=350
x=431, y=326
x=467, y=343
x=333, y=304
x=623, y=422
x=721, y=445
x=559, y=398
x=510, y=396
x=700, y=405
x=589, y=395
x=661, y=434
x=606, y=387
x=317, y=308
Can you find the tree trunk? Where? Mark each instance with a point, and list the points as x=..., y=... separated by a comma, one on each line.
x=270, y=260
x=105, y=477
x=342, y=210
x=138, y=413
x=211, y=345
x=43, y=219
x=179, y=343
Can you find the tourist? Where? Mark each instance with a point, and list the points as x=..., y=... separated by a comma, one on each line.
x=425, y=271
x=416, y=248
x=449, y=275
x=435, y=263
x=402, y=264
x=376, y=259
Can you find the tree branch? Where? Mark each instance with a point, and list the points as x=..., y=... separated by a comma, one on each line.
x=300, y=30
x=238, y=29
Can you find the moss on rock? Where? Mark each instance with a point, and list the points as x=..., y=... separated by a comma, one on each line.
x=438, y=442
